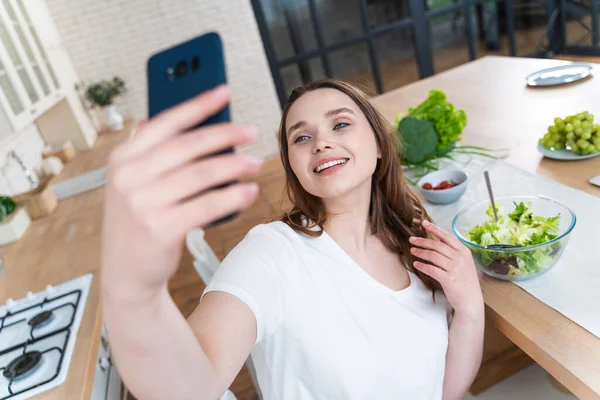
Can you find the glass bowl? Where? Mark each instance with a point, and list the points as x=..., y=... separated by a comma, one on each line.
x=515, y=263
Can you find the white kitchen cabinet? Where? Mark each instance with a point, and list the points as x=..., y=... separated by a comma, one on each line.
x=55, y=50
x=28, y=79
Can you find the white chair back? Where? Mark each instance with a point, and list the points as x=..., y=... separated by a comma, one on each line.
x=228, y=396
x=205, y=260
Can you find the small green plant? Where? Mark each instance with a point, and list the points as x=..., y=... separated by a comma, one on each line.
x=7, y=206
x=103, y=93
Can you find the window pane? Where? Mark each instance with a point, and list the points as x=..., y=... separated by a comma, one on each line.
x=28, y=86
x=431, y=5
x=24, y=43
x=54, y=79
x=449, y=40
x=397, y=59
x=10, y=93
x=18, y=63
x=41, y=79
x=488, y=29
x=382, y=13
x=10, y=10
x=316, y=68
x=576, y=34
x=290, y=27
x=10, y=46
x=23, y=11
x=30, y=57
x=340, y=20
x=352, y=64
x=297, y=74
x=38, y=44
x=530, y=22
x=291, y=78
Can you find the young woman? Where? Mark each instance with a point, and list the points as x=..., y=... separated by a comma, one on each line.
x=353, y=294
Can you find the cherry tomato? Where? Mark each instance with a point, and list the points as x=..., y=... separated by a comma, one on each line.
x=444, y=185
x=427, y=186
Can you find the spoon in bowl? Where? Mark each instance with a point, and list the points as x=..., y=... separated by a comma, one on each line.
x=489, y=188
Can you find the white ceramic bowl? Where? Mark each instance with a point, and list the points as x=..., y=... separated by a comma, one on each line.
x=444, y=196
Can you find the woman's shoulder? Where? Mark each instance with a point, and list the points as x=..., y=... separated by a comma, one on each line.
x=276, y=230
x=271, y=237
x=265, y=248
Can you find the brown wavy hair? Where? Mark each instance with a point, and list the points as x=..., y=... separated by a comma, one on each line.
x=395, y=212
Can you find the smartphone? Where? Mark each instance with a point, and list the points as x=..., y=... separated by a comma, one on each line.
x=183, y=71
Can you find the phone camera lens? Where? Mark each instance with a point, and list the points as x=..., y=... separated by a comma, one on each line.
x=195, y=63
x=181, y=68
x=170, y=72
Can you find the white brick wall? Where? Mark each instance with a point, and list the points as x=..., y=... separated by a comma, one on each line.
x=116, y=37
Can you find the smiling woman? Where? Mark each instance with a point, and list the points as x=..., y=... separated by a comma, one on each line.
x=355, y=227
x=352, y=294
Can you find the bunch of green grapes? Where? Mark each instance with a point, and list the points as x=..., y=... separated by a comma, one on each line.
x=576, y=133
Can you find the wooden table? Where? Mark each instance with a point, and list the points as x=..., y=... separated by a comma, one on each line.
x=503, y=113
x=61, y=247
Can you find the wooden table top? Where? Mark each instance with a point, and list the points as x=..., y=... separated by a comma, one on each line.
x=503, y=112
x=61, y=247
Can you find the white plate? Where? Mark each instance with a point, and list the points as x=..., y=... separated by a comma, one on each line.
x=559, y=75
x=563, y=154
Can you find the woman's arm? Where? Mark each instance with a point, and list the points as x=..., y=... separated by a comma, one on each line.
x=465, y=348
x=159, y=187
x=160, y=355
x=451, y=264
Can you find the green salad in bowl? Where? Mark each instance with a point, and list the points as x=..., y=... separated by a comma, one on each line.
x=528, y=239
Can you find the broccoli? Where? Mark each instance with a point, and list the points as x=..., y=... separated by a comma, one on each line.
x=418, y=138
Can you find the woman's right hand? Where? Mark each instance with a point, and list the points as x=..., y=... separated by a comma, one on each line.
x=151, y=194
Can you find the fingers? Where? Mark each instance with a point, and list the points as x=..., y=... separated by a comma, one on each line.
x=436, y=273
x=431, y=244
x=444, y=236
x=187, y=147
x=211, y=206
x=434, y=257
x=141, y=124
x=196, y=178
x=175, y=120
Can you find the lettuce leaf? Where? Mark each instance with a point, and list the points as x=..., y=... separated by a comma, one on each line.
x=446, y=119
x=519, y=211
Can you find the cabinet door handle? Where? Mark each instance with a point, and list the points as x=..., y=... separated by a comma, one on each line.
x=105, y=363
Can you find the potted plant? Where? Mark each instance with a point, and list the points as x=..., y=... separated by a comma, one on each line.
x=88, y=107
x=14, y=220
x=102, y=94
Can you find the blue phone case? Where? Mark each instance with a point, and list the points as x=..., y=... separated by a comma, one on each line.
x=167, y=87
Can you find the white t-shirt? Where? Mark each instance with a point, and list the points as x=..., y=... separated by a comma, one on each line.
x=326, y=329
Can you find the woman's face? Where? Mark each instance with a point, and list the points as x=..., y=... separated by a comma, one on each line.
x=331, y=146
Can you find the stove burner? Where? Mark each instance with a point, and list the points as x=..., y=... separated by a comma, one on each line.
x=23, y=366
x=41, y=319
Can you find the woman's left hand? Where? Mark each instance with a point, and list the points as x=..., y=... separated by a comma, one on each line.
x=451, y=264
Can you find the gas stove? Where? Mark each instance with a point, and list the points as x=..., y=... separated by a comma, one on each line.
x=37, y=337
